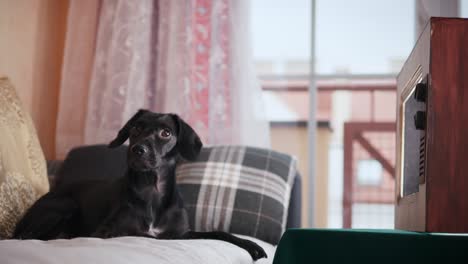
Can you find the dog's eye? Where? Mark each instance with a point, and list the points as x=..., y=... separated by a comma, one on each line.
x=165, y=133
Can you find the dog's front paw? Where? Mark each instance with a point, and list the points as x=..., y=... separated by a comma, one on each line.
x=255, y=250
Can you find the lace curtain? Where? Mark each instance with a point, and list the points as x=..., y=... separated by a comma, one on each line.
x=188, y=57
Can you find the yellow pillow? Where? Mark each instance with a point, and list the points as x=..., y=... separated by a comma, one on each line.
x=23, y=174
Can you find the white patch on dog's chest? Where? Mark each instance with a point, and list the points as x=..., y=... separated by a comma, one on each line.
x=152, y=231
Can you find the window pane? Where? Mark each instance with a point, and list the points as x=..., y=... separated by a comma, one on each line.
x=353, y=37
x=365, y=36
x=281, y=32
x=464, y=8
x=281, y=36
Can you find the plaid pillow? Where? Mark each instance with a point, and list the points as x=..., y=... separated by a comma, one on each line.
x=240, y=190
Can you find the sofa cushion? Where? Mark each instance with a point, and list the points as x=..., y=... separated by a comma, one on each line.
x=241, y=190
x=23, y=176
x=249, y=187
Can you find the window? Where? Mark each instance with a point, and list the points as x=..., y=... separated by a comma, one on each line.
x=360, y=47
x=364, y=37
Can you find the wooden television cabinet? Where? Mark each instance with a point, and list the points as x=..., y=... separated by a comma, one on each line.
x=432, y=131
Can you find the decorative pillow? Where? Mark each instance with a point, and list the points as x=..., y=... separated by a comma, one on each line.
x=23, y=176
x=240, y=190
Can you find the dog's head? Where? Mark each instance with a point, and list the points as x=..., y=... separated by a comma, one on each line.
x=156, y=139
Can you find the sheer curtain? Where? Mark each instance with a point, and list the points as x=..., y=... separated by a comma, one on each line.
x=187, y=57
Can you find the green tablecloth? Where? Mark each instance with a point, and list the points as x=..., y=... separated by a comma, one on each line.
x=369, y=246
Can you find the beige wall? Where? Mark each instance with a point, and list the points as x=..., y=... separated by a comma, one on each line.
x=293, y=140
x=32, y=34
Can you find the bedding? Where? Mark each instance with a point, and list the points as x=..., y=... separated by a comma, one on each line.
x=135, y=250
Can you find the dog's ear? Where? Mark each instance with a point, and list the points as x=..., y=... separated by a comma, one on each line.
x=124, y=132
x=188, y=142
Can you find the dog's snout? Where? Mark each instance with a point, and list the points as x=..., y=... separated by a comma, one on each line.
x=139, y=150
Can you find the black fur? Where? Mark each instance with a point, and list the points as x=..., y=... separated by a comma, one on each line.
x=144, y=202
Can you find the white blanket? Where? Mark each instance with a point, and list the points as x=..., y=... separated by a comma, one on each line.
x=135, y=250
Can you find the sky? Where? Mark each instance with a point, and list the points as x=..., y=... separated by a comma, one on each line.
x=358, y=36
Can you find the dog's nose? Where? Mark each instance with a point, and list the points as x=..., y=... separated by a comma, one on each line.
x=139, y=150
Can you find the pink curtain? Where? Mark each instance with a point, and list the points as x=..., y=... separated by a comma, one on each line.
x=78, y=59
x=189, y=57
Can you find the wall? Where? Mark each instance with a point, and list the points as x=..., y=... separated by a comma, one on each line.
x=293, y=140
x=32, y=34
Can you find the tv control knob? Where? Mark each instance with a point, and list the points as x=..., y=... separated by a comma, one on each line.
x=420, y=120
x=420, y=93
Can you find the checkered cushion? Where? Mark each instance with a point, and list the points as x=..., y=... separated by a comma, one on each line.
x=241, y=190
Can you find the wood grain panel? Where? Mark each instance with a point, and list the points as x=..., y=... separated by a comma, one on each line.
x=447, y=167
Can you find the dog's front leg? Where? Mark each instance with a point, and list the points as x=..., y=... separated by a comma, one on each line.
x=253, y=248
x=117, y=223
x=105, y=228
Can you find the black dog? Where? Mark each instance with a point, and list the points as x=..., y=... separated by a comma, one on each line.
x=144, y=202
